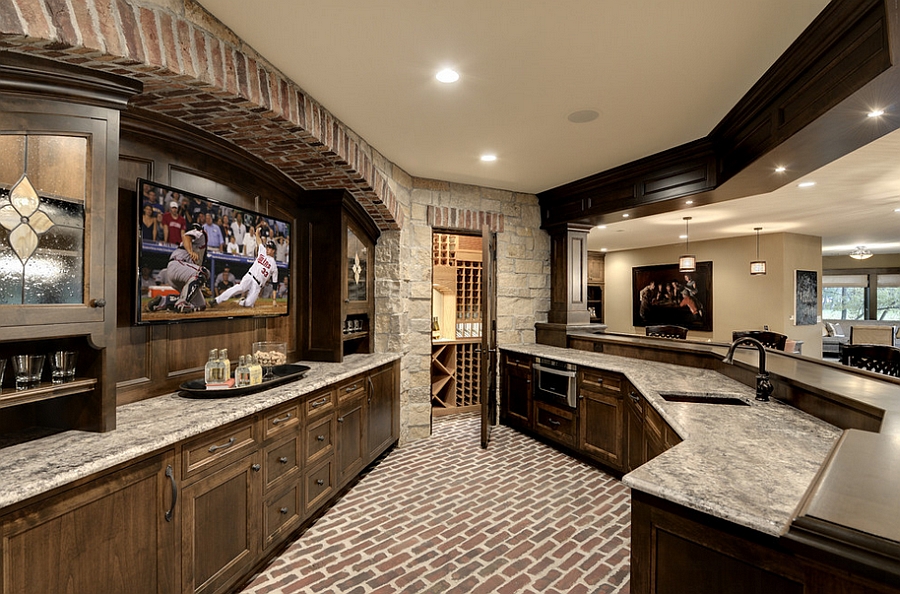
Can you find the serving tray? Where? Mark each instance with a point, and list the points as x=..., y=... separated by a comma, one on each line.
x=283, y=373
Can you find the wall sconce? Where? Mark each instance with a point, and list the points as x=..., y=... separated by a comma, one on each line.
x=687, y=262
x=757, y=266
x=860, y=253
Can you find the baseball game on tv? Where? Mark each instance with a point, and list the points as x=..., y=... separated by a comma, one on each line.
x=200, y=259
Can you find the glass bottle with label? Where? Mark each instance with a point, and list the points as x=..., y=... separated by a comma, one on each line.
x=226, y=362
x=214, y=371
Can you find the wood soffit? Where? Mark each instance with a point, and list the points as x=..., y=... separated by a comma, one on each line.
x=800, y=110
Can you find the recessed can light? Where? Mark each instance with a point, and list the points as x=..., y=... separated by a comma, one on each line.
x=604, y=226
x=688, y=202
x=626, y=215
x=875, y=113
x=583, y=116
x=780, y=169
x=808, y=184
x=602, y=249
x=447, y=75
x=488, y=158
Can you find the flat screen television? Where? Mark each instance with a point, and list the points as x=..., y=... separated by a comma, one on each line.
x=178, y=279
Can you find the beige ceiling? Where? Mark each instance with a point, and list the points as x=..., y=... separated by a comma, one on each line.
x=658, y=72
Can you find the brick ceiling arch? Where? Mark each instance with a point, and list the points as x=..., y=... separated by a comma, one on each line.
x=196, y=71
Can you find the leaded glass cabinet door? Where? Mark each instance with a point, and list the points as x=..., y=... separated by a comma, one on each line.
x=357, y=269
x=52, y=223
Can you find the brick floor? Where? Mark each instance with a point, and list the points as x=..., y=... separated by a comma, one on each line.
x=442, y=515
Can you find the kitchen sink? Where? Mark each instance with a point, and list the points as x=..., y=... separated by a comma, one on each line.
x=705, y=398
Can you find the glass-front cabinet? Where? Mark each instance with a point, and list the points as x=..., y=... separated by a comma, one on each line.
x=59, y=129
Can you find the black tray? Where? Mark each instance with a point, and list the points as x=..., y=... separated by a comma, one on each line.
x=282, y=373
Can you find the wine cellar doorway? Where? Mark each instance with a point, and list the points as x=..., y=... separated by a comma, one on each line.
x=456, y=323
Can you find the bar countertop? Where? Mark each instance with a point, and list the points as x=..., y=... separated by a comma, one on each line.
x=36, y=467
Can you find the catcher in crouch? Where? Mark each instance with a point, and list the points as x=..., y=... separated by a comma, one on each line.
x=186, y=274
x=263, y=271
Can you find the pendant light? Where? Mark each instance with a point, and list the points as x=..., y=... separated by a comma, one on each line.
x=687, y=262
x=757, y=266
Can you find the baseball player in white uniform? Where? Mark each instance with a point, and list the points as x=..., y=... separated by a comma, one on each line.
x=261, y=272
x=186, y=274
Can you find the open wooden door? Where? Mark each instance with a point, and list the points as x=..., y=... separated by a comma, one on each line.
x=488, y=391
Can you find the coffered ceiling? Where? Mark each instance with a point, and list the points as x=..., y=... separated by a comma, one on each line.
x=657, y=73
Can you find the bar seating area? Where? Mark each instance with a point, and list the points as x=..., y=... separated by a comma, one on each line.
x=880, y=358
x=770, y=340
x=667, y=331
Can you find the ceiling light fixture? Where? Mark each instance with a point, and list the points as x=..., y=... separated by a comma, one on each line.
x=488, y=158
x=583, y=116
x=688, y=202
x=780, y=169
x=860, y=253
x=757, y=266
x=447, y=75
x=687, y=262
x=626, y=215
x=808, y=184
x=875, y=113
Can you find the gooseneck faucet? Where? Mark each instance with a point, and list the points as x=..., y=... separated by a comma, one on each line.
x=764, y=387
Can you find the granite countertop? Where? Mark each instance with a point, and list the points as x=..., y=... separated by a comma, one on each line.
x=751, y=465
x=38, y=466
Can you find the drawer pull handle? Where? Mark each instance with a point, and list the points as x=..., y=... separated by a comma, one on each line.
x=320, y=482
x=340, y=419
x=282, y=419
x=320, y=402
x=256, y=467
x=283, y=460
x=554, y=422
x=283, y=510
x=170, y=472
x=352, y=388
x=214, y=448
x=320, y=438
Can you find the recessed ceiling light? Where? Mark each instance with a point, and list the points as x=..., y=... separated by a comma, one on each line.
x=447, y=75
x=602, y=249
x=626, y=215
x=688, y=202
x=808, y=184
x=875, y=113
x=780, y=169
x=682, y=236
x=583, y=116
x=604, y=226
x=488, y=158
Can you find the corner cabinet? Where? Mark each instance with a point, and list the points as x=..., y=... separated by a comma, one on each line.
x=337, y=267
x=59, y=130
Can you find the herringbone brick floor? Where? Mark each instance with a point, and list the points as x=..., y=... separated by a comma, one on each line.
x=442, y=515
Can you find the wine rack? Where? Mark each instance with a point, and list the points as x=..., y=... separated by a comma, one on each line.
x=468, y=374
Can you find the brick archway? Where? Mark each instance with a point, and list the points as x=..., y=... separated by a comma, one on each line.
x=197, y=71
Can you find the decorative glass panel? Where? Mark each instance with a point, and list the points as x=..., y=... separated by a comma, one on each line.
x=41, y=235
x=12, y=159
x=357, y=260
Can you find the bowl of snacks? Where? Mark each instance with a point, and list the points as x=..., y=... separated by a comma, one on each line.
x=268, y=355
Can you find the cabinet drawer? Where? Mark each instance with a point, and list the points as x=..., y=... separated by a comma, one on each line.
x=654, y=425
x=318, y=485
x=319, y=403
x=282, y=460
x=279, y=421
x=220, y=446
x=555, y=423
x=595, y=380
x=353, y=388
x=282, y=515
x=319, y=438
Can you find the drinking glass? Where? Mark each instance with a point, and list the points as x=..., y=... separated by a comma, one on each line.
x=28, y=370
x=63, y=366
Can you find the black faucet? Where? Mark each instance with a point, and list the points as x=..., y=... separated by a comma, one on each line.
x=764, y=387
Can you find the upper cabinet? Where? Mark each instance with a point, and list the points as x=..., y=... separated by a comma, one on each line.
x=59, y=129
x=337, y=259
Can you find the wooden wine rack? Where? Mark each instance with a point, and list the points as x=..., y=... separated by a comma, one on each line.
x=455, y=377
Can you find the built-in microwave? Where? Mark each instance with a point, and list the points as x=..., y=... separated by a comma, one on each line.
x=555, y=382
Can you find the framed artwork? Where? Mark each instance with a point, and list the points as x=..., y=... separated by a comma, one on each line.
x=662, y=295
x=806, y=297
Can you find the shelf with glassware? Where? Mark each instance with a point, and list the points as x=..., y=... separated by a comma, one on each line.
x=58, y=205
x=595, y=302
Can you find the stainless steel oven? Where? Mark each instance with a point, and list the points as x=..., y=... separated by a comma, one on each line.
x=554, y=382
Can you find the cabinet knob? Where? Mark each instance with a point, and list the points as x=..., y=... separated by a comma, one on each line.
x=283, y=460
x=256, y=467
x=320, y=482
x=340, y=419
x=284, y=510
x=98, y=302
x=320, y=438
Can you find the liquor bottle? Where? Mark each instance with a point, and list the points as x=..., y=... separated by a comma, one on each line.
x=213, y=372
x=223, y=356
x=242, y=373
x=256, y=372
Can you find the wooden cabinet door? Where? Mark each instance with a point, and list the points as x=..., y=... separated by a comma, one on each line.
x=221, y=526
x=109, y=536
x=382, y=413
x=351, y=438
x=601, y=417
x=635, y=454
x=515, y=401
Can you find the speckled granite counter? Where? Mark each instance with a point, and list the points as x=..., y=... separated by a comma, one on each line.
x=750, y=465
x=39, y=466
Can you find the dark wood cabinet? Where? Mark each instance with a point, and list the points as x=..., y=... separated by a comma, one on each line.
x=516, y=387
x=635, y=450
x=337, y=259
x=555, y=423
x=351, y=429
x=382, y=410
x=601, y=416
x=109, y=536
